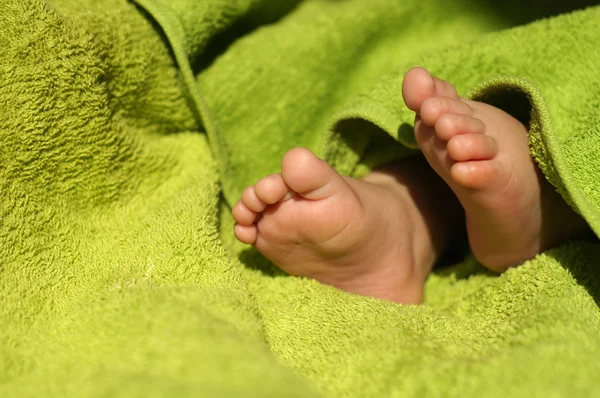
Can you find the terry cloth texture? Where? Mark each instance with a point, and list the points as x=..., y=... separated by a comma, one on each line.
x=127, y=129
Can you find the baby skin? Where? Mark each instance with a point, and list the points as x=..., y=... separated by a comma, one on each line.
x=381, y=235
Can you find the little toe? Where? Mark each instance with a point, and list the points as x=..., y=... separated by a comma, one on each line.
x=246, y=233
x=472, y=147
x=476, y=174
x=272, y=189
x=243, y=215
x=434, y=107
x=450, y=124
x=311, y=177
x=419, y=84
x=251, y=200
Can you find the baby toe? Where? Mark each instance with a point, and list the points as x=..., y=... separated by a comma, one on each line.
x=471, y=147
x=251, y=200
x=310, y=177
x=419, y=84
x=423, y=134
x=243, y=215
x=271, y=189
x=434, y=107
x=475, y=174
x=449, y=125
x=246, y=233
x=444, y=88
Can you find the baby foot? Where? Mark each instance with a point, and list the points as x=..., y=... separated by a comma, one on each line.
x=363, y=236
x=482, y=153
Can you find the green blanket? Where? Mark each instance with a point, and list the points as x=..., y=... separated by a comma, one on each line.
x=127, y=129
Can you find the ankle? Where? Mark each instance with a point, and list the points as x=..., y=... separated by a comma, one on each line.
x=435, y=213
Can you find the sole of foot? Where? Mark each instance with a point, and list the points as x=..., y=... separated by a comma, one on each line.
x=373, y=237
x=482, y=153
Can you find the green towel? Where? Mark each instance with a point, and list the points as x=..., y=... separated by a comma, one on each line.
x=128, y=129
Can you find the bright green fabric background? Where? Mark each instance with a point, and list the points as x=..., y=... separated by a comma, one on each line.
x=126, y=129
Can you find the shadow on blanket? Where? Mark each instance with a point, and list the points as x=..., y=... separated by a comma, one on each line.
x=585, y=269
x=253, y=20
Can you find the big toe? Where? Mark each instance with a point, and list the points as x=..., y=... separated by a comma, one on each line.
x=309, y=176
x=419, y=84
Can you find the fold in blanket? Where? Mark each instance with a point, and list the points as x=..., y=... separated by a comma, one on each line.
x=126, y=130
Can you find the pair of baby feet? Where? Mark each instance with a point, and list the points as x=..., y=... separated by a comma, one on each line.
x=381, y=235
